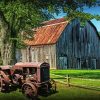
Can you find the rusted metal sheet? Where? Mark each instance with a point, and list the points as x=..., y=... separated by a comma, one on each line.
x=48, y=34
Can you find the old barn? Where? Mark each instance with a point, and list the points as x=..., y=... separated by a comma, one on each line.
x=65, y=45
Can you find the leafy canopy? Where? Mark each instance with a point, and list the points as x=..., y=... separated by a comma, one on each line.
x=25, y=14
x=21, y=15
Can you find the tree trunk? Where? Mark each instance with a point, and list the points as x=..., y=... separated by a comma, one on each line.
x=7, y=50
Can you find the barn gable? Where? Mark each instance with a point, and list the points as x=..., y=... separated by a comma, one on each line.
x=78, y=47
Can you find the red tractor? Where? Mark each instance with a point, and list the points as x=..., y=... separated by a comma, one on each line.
x=31, y=77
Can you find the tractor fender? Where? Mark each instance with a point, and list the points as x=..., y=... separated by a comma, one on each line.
x=5, y=77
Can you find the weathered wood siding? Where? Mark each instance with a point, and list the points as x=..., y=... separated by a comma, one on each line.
x=42, y=53
x=45, y=53
x=25, y=55
x=78, y=47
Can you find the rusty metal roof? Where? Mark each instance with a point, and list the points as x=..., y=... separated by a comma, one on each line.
x=49, y=33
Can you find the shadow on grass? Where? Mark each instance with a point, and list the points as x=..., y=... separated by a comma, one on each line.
x=46, y=94
x=16, y=95
x=12, y=95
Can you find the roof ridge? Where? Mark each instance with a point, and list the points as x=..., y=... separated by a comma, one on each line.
x=53, y=20
x=56, y=23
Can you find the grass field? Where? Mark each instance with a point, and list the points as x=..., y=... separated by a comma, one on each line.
x=86, y=78
x=73, y=93
x=64, y=92
x=93, y=74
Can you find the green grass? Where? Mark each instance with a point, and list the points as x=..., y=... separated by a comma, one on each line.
x=93, y=74
x=16, y=95
x=64, y=92
x=73, y=93
x=79, y=77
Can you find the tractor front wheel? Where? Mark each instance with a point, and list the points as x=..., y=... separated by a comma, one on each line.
x=30, y=91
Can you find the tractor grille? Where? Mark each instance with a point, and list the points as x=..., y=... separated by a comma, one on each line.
x=45, y=74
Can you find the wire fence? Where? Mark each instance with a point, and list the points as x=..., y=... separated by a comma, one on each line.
x=93, y=84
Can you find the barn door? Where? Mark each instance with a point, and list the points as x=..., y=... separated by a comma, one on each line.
x=78, y=63
x=63, y=63
x=93, y=63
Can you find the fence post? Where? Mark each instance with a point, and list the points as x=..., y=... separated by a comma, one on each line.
x=68, y=80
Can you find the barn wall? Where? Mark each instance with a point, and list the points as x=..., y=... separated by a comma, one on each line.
x=78, y=47
x=43, y=53
x=92, y=46
x=25, y=55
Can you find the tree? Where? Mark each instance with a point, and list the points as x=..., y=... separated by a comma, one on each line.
x=15, y=16
x=19, y=15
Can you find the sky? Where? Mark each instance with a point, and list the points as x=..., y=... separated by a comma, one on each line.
x=92, y=10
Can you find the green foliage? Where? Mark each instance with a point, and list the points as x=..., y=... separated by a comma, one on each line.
x=21, y=15
x=83, y=16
